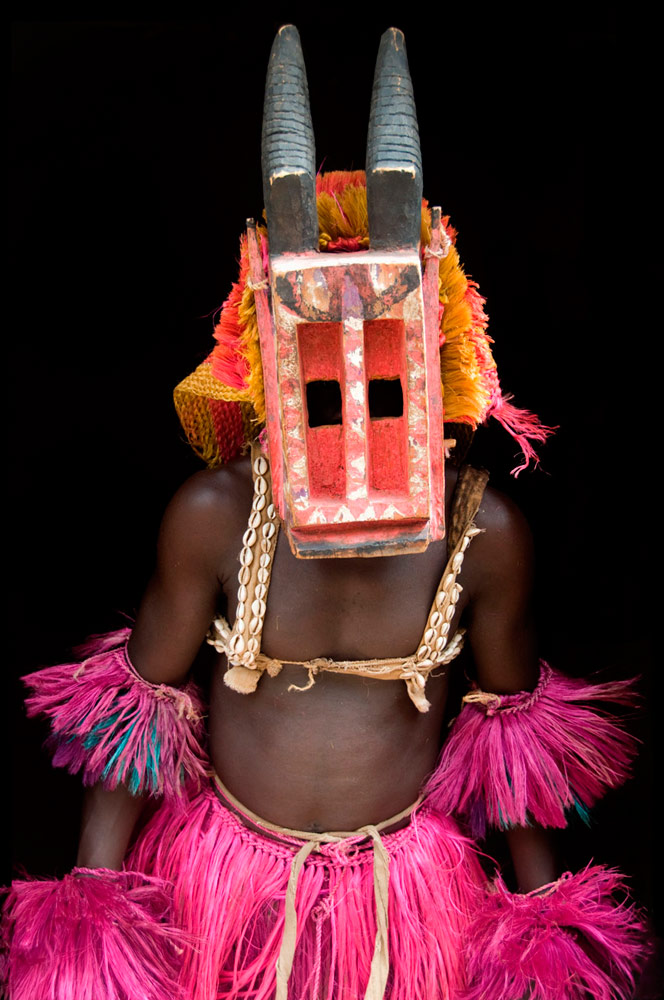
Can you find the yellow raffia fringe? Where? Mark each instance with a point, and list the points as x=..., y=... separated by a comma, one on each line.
x=465, y=398
x=345, y=214
x=465, y=352
x=354, y=222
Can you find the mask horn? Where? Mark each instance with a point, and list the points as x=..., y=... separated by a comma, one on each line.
x=394, y=160
x=288, y=151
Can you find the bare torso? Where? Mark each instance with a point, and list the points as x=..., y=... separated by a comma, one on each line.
x=348, y=751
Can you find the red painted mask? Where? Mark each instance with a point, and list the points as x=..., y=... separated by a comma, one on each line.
x=349, y=341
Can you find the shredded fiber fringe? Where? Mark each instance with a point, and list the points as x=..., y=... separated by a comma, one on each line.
x=567, y=941
x=114, y=726
x=513, y=759
x=95, y=935
x=230, y=890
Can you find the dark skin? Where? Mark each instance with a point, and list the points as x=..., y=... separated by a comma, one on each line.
x=349, y=751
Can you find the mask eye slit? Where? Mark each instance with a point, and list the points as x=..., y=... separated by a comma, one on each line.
x=385, y=398
x=324, y=407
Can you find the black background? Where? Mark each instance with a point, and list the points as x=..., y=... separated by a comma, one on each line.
x=135, y=163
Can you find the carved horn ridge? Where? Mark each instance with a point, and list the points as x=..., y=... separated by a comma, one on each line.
x=288, y=149
x=394, y=159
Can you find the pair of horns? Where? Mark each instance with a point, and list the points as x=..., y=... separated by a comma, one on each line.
x=394, y=161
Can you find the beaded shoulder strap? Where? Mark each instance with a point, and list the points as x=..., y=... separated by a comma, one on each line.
x=434, y=648
x=242, y=642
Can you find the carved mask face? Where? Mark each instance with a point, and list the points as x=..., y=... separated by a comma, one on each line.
x=349, y=341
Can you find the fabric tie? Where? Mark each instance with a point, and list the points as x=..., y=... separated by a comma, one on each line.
x=380, y=962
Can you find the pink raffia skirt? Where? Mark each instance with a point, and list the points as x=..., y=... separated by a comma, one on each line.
x=231, y=886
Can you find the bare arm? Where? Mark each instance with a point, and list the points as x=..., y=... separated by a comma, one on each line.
x=182, y=596
x=504, y=645
x=107, y=823
x=173, y=619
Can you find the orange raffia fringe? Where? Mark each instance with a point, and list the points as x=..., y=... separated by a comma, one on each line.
x=222, y=404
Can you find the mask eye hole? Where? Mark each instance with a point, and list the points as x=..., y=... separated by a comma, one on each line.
x=385, y=398
x=323, y=402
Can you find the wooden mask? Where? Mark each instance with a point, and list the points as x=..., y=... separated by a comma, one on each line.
x=349, y=341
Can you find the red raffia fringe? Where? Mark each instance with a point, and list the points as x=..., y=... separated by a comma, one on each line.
x=568, y=941
x=523, y=425
x=512, y=759
x=114, y=726
x=229, y=364
x=95, y=935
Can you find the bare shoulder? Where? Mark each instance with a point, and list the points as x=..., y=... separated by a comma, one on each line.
x=502, y=520
x=503, y=553
x=208, y=513
x=498, y=575
x=215, y=492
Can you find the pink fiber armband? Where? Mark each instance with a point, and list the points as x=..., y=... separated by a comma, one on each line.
x=114, y=726
x=567, y=941
x=513, y=759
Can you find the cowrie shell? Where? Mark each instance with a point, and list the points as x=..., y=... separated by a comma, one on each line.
x=237, y=644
